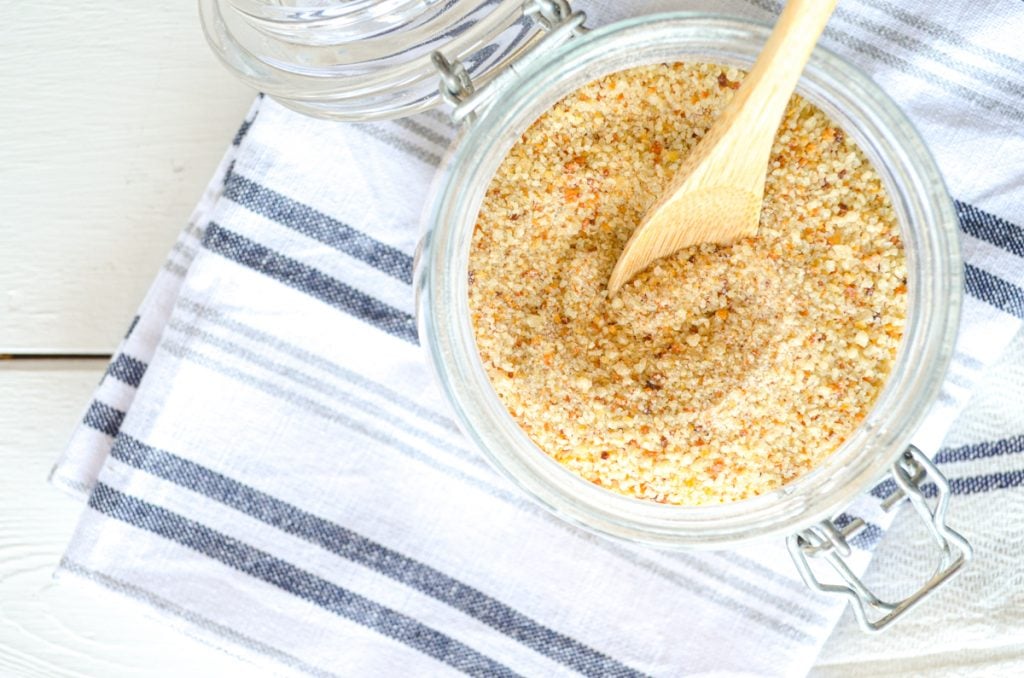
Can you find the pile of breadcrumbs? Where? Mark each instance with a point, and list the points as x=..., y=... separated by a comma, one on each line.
x=721, y=372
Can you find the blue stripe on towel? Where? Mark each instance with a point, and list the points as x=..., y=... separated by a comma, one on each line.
x=982, y=483
x=970, y=484
x=127, y=369
x=103, y=418
x=131, y=327
x=348, y=544
x=991, y=229
x=309, y=280
x=995, y=291
x=243, y=129
x=1005, y=235
x=319, y=226
x=294, y=580
x=993, y=448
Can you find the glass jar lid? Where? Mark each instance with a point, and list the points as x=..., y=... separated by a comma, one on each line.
x=365, y=59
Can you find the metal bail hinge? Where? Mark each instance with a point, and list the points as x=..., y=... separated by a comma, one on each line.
x=826, y=541
x=559, y=22
x=456, y=85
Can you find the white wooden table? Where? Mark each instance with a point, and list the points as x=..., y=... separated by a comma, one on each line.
x=112, y=120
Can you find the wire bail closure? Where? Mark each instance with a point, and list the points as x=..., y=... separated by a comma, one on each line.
x=829, y=542
x=560, y=23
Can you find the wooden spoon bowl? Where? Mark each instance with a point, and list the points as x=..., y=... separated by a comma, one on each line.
x=717, y=193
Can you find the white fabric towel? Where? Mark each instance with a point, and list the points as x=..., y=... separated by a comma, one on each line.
x=268, y=465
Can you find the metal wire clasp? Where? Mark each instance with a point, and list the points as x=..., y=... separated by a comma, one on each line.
x=559, y=22
x=826, y=541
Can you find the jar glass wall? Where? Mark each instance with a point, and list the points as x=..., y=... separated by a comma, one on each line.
x=928, y=226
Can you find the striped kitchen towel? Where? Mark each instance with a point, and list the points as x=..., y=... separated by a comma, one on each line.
x=267, y=464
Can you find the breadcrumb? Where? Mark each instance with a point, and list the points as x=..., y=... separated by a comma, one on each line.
x=721, y=372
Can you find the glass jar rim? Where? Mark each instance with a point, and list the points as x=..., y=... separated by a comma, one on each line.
x=929, y=227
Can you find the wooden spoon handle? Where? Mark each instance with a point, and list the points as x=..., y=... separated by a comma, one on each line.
x=758, y=107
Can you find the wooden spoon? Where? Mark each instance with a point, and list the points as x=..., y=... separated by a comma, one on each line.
x=716, y=195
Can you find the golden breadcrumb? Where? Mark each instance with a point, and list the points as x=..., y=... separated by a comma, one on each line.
x=721, y=372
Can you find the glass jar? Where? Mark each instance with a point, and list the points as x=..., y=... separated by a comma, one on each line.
x=929, y=230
